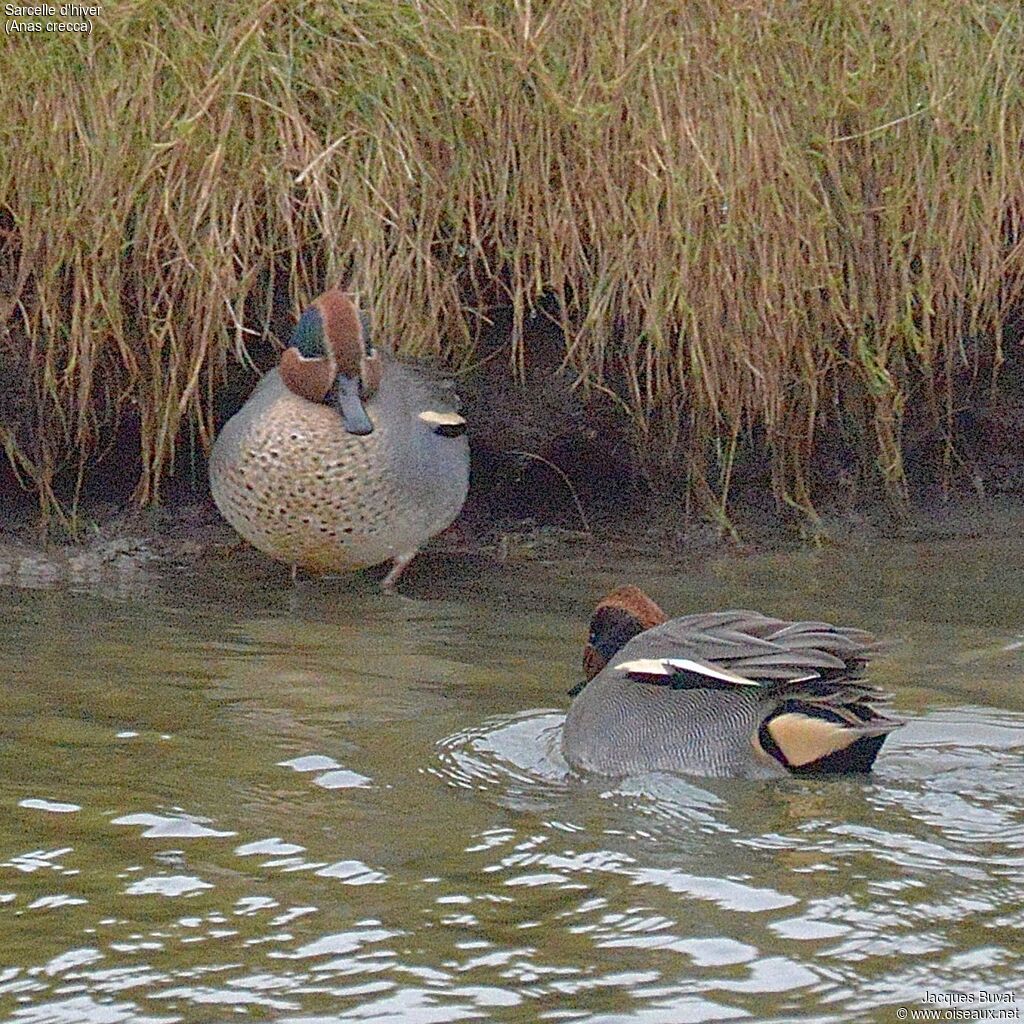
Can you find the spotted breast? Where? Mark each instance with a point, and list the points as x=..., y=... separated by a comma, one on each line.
x=343, y=457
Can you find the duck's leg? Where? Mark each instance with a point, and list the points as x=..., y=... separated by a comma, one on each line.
x=398, y=566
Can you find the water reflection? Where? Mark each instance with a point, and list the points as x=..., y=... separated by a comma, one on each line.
x=326, y=805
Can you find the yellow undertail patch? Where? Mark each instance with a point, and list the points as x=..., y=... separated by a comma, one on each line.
x=804, y=739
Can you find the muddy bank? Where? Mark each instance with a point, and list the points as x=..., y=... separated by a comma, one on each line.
x=124, y=550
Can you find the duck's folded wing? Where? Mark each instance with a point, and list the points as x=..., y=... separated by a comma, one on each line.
x=758, y=647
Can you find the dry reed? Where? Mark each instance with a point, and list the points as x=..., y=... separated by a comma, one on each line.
x=751, y=219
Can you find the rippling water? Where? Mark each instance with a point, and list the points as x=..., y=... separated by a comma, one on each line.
x=229, y=798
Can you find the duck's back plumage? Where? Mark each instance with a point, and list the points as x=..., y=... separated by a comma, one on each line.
x=730, y=693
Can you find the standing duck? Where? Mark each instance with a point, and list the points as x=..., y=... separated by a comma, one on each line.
x=342, y=457
x=724, y=693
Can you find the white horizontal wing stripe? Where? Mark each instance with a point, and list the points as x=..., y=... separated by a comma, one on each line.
x=666, y=666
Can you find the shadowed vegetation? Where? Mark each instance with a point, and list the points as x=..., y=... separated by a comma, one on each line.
x=786, y=232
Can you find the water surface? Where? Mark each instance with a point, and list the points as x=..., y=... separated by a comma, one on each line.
x=229, y=798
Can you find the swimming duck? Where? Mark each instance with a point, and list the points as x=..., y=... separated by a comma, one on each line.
x=342, y=457
x=724, y=693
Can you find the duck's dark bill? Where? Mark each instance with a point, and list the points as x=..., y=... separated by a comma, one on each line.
x=350, y=406
x=578, y=688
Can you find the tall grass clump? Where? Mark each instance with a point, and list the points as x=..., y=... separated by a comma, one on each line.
x=756, y=223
